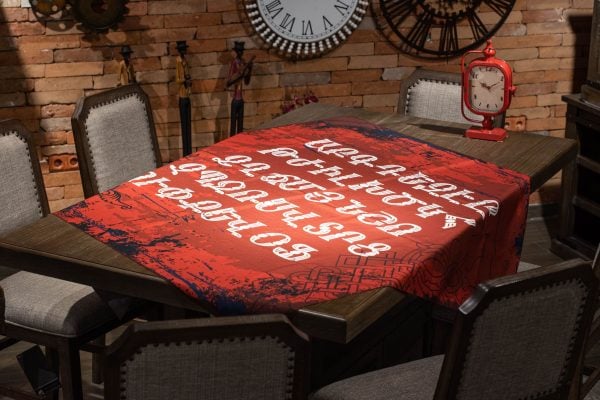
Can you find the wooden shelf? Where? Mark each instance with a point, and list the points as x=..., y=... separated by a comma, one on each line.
x=580, y=212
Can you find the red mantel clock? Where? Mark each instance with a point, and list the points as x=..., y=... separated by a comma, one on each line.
x=487, y=91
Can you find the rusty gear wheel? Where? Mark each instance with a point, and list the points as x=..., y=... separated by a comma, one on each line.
x=99, y=15
x=48, y=7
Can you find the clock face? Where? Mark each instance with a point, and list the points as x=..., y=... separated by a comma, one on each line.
x=441, y=28
x=486, y=89
x=305, y=28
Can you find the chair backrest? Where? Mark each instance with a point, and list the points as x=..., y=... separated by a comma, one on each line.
x=520, y=336
x=596, y=262
x=22, y=195
x=115, y=137
x=433, y=95
x=2, y=309
x=260, y=357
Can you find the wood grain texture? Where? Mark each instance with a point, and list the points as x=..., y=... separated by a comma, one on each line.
x=55, y=248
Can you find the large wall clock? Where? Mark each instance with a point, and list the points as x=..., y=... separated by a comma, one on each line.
x=307, y=28
x=441, y=28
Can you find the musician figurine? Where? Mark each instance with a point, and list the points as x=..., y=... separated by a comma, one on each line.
x=183, y=78
x=126, y=72
x=240, y=73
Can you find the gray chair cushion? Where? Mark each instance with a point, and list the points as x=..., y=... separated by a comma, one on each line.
x=20, y=206
x=120, y=141
x=53, y=306
x=415, y=380
x=531, y=358
x=236, y=369
x=433, y=99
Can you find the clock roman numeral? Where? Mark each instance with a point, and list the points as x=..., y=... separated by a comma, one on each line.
x=327, y=23
x=419, y=33
x=501, y=7
x=398, y=10
x=288, y=22
x=307, y=28
x=341, y=7
x=449, y=38
x=274, y=8
x=477, y=26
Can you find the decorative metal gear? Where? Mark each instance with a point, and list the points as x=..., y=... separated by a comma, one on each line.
x=48, y=7
x=99, y=15
x=441, y=28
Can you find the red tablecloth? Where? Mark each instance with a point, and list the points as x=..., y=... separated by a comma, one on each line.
x=277, y=219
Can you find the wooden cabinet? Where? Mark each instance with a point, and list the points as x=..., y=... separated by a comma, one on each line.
x=580, y=213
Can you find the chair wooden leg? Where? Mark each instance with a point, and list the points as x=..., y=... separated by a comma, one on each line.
x=97, y=361
x=70, y=371
x=53, y=358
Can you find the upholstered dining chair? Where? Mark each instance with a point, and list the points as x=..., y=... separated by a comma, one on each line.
x=435, y=95
x=258, y=357
x=60, y=315
x=590, y=365
x=516, y=337
x=115, y=137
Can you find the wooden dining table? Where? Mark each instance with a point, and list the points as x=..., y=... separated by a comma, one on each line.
x=55, y=248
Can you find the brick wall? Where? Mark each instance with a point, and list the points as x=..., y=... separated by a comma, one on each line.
x=45, y=66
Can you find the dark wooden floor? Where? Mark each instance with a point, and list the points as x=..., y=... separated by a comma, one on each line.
x=536, y=250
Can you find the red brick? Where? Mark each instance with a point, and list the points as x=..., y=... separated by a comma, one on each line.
x=168, y=35
x=546, y=124
x=137, y=8
x=549, y=15
x=81, y=55
x=549, y=99
x=536, y=88
x=221, y=31
x=176, y=7
x=142, y=22
x=335, y=90
x=359, y=88
x=16, y=85
x=523, y=101
x=57, y=205
x=13, y=14
x=546, y=4
x=353, y=49
x=73, y=191
x=51, y=138
x=74, y=69
x=537, y=65
x=21, y=29
x=221, y=5
x=364, y=75
x=62, y=179
x=344, y=101
x=363, y=62
x=385, y=100
x=195, y=20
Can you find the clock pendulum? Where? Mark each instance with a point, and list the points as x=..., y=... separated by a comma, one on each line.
x=487, y=90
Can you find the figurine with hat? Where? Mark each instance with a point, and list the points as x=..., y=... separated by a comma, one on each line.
x=126, y=72
x=183, y=78
x=240, y=73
